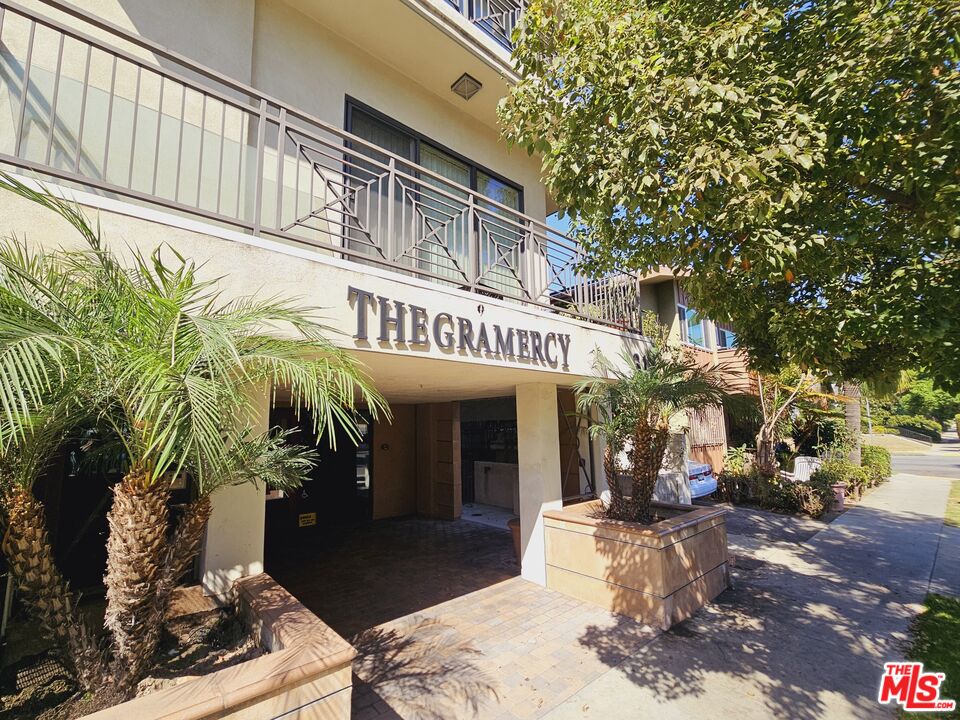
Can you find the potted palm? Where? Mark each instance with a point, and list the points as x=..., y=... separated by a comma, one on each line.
x=652, y=561
x=148, y=352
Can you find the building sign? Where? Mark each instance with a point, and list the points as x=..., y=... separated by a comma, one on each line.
x=307, y=519
x=412, y=326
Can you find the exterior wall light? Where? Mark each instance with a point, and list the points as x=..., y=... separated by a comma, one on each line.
x=466, y=86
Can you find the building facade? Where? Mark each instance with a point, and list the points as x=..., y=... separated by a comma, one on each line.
x=345, y=154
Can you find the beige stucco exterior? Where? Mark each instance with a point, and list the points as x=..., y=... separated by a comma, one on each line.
x=249, y=266
x=293, y=52
x=399, y=58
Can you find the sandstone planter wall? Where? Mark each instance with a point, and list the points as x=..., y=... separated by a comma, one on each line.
x=659, y=574
x=307, y=675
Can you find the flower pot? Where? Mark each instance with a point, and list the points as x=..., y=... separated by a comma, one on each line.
x=839, y=495
x=659, y=574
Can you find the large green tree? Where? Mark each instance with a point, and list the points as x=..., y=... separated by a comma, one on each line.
x=800, y=158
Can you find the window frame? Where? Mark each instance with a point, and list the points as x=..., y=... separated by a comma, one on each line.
x=682, y=310
x=720, y=334
x=418, y=138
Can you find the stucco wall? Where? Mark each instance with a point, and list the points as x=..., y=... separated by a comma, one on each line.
x=301, y=62
x=215, y=33
x=278, y=50
x=250, y=266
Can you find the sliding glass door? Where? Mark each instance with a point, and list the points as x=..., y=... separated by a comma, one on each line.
x=433, y=231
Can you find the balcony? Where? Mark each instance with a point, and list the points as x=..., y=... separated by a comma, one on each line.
x=497, y=18
x=93, y=113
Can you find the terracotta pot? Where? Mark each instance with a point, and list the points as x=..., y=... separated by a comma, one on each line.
x=839, y=496
x=514, y=525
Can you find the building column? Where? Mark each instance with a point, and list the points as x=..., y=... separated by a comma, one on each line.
x=538, y=450
x=233, y=544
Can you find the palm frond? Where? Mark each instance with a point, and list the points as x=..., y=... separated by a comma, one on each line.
x=268, y=458
x=166, y=361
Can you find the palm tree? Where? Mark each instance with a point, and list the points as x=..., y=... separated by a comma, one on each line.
x=173, y=363
x=28, y=550
x=604, y=399
x=46, y=388
x=637, y=405
x=266, y=459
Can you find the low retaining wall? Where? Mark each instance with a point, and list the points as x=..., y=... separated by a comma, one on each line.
x=659, y=574
x=306, y=674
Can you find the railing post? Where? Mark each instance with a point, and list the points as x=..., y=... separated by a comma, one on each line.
x=391, y=210
x=25, y=92
x=526, y=261
x=258, y=188
x=474, y=247
x=281, y=147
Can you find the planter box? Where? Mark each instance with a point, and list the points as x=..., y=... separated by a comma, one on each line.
x=307, y=673
x=659, y=574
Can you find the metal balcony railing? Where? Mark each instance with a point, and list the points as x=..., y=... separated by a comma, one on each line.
x=497, y=18
x=113, y=113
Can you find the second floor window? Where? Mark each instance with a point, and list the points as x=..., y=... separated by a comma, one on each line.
x=726, y=338
x=691, y=326
x=420, y=150
x=430, y=209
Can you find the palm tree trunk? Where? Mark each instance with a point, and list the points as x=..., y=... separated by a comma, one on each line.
x=27, y=548
x=136, y=548
x=851, y=412
x=649, y=447
x=618, y=506
x=182, y=549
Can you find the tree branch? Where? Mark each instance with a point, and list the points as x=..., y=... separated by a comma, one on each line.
x=891, y=197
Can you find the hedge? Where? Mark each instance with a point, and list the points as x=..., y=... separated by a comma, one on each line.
x=843, y=472
x=876, y=462
x=772, y=492
x=916, y=423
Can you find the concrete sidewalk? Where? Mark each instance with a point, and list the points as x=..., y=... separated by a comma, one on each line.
x=804, y=636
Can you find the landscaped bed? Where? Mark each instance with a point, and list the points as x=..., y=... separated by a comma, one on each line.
x=269, y=657
x=37, y=685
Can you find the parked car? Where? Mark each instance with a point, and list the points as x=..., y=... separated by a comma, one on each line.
x=669, y=487
x=702, y=480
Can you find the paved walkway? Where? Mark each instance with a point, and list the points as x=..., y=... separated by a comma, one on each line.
x=445, y=629
x=803, y=636
x=358, y=577
x=510, y=651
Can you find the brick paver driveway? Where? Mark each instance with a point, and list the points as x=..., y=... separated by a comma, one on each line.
x=357, y=577
x=512, y=650
x=444, y=627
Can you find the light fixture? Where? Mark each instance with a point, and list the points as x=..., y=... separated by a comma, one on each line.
x=466, y=86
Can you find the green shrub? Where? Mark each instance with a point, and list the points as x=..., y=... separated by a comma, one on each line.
x=735, y=459
x=733, y=486
x=842, y=472
x=811, y=498
x=876, y=462
x=774, y=493
x=956, y=423
x=916, y=423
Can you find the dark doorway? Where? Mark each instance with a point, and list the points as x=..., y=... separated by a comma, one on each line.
x=339, y=490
